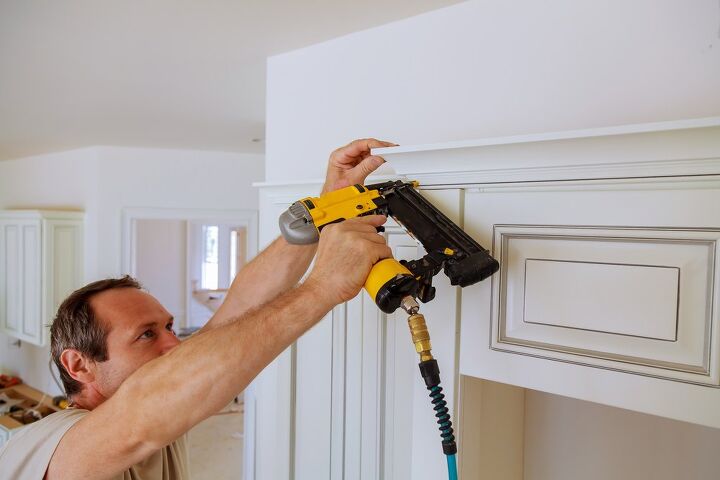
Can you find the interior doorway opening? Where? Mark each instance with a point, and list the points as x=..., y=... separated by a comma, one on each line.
x=187, y=259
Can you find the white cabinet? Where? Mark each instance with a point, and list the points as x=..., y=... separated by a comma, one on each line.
x=608, y=243
x=40, y=263
x=608, y=292
x=613, y=287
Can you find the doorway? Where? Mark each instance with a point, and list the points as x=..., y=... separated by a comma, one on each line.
x=187, y=259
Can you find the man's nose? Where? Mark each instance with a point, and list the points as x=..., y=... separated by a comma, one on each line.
x=169, y=341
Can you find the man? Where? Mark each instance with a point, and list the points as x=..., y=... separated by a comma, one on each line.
x=136, y=390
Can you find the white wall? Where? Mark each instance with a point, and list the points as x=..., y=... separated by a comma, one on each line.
x=489, y=68
x=161, y=260
x=102, y=181
x=494, y=68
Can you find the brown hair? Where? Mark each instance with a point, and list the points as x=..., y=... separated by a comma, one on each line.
x=76, y=326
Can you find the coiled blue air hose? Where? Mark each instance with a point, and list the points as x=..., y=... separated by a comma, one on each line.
x=442, y=413
x=431, y=375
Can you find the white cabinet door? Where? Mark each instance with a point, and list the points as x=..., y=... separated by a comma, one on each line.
x=608, y=291
x=40, y=264
x=20, y=267
x=62, y=265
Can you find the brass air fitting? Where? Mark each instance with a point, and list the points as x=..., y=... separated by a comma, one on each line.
x=420, y=336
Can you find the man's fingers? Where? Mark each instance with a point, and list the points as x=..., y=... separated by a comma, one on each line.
x=358, y=148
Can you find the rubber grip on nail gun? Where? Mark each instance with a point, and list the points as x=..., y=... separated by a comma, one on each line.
x=389, y=282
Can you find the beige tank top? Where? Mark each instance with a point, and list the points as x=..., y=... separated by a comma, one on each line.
x=27, y=455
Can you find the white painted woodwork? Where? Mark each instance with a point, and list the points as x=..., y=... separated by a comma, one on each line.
x=654, y=223
x=312, y=406
x=41, y=262
x=635, y=300
x=623, y=218
x=630, y=296
x=594, y=210
x=347, y=400
x=274, y=388
x=685, y=147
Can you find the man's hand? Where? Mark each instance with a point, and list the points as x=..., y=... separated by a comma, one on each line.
x=281, y=265
x=352, y=163
x=346, y=253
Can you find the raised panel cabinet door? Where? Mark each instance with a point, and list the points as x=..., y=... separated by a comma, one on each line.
x=63, y=253
x=20, y=279
x=32, y=320
x=10, y=277
x=607, y=291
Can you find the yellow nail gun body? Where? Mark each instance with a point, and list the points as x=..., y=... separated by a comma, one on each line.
x=448, y=247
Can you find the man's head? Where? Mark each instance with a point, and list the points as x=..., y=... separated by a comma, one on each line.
x=105, y=331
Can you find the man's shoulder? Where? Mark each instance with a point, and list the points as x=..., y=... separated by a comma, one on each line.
x=51, y=423
x=31, y=448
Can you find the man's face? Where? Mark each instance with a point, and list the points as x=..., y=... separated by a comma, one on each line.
x=139, y=330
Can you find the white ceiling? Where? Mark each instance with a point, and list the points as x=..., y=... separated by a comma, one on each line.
x=157, y=73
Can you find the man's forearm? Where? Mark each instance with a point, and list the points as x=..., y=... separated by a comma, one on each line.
x=215, y=366
x=169, y=395
x=275, y=270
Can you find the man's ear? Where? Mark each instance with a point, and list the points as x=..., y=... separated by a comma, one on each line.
x=77, y=366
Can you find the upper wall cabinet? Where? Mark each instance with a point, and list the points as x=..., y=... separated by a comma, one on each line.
x=608, y=242
x=40, y=263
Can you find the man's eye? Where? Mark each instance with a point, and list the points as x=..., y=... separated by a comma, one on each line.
x=169, y=328
x=147, y=334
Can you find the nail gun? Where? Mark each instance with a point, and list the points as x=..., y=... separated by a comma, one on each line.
x=448, y=247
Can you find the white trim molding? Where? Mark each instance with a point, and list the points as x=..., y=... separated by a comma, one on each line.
x=687, y=147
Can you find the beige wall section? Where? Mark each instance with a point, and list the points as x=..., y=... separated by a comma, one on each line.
x=509, y=433
x=491, y=430
x=161, y=262
x=567, y=439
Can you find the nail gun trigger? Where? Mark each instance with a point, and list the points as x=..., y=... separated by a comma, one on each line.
x=427, y=291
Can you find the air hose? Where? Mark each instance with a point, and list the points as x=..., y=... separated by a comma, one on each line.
x=431, y=375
